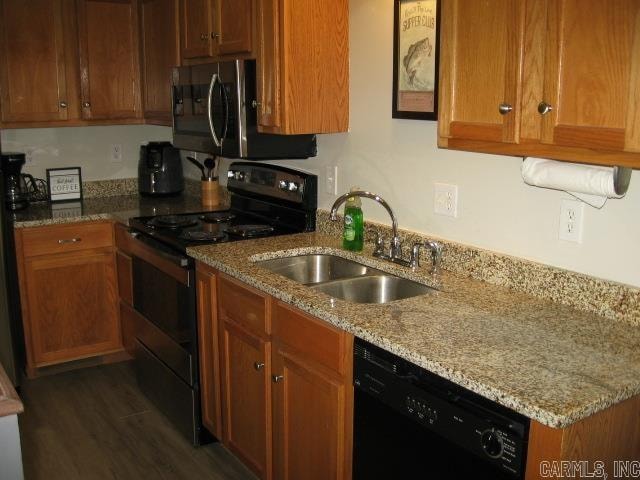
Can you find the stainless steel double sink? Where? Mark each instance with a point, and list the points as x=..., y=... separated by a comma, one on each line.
x=345, y=279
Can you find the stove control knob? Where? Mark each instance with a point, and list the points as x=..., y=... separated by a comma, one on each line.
x=293, y=187
x=240, y=176
x=492, y=443
x=283, y=185
x=231, y=174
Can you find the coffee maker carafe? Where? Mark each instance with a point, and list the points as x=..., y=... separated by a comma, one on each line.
x=16, y=194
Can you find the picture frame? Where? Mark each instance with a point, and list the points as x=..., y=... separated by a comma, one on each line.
x=64, y=184
x=416, y=55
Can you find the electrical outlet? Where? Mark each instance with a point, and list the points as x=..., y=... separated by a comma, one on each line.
x=445, y=199
x=28, y=155
x=331, y=178
x=116, y=153
x=571, y=220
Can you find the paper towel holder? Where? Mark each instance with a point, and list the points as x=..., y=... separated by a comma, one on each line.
x=621, y=179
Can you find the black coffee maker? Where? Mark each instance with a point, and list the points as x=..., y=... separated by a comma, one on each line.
x=16, y=194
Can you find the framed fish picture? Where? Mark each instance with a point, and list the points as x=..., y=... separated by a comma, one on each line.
x=415, y=59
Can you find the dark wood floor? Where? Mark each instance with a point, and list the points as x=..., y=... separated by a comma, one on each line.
x=95, y=424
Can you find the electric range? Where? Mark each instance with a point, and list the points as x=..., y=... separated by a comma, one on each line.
x=266, y=200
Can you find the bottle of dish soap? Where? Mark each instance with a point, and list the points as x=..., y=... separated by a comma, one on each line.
x=353, y=233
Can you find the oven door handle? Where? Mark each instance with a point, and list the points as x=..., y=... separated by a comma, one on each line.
x=215, y=78
x=154, y=253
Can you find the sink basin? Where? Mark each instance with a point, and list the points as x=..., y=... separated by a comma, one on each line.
x=312, y=269
x=373, y=289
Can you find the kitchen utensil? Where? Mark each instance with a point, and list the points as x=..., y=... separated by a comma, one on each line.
x=210, y=164
x=197, y=164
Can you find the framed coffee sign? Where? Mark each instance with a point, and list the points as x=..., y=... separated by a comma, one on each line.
x=415, y=59
x=65, y=184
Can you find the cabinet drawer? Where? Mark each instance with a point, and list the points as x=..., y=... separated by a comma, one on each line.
x=243, y=305
x=66, y=238
x=317, y=340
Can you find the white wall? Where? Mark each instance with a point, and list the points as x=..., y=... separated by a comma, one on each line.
x=86, y=147
x=399, y=160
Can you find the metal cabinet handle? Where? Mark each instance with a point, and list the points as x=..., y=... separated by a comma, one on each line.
x=203, y=36
x=277, y=378
x=544, y=108
x=215, y=35
x=63, y=104
x=504, y=108
x=86, y=104
x=69, y=240
x=258, y=365
x=255, y=104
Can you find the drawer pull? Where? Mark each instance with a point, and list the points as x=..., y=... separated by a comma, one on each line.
x=69, y=240
x=258, y=366
x=277, y=378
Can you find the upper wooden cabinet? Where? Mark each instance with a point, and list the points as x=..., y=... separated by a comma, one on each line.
x=235, y=26
x=303, y=66
x=542, y=78
x=69, y=62
x=37, y=33
x=109, y=61
x=160, y=39
x=215, y=28
x=197, y=29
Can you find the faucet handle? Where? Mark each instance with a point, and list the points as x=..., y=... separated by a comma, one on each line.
x=436, y=255
x=379, y=245
x=414, y=258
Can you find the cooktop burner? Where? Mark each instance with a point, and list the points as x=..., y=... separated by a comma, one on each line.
x=217, y=217
x=172, y=221
x=247, y=231
x=201, y=236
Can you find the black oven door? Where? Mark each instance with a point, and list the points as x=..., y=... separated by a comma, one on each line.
x=164, y=294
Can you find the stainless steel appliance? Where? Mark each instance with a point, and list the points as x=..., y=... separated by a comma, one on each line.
x=16, y=194
x=160, y=170
x=409, y=420
x=265, y=200
x=214, y=111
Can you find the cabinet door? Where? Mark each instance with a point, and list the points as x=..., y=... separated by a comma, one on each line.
x=235, y=25
x=196, y=26
x=33, y=79
x=246, y=403
x=160, y=52
x=310, y=418
x=72, y=304
x=480, y=70
x=592, y=77
x=109, y=60
x=208, y=343
x=269, y=76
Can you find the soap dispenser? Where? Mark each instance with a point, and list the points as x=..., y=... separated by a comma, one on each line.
x=353, y=232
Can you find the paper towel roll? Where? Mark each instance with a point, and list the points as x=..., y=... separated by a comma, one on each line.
x=592, y=184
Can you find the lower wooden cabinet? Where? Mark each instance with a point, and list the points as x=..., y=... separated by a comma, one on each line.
x=287, y=396
x=70, y=297
x=247, y=397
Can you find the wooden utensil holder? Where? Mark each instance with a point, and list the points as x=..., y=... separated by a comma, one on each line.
x=210, y=192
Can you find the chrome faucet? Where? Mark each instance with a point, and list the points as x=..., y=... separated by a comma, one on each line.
x=395, y=249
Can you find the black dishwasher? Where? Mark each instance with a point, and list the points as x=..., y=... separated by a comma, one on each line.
x=410, y=423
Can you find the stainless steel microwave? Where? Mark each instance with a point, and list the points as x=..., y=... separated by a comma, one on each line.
x=214, y=112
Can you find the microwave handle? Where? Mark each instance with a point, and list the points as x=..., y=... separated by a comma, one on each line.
x=226, y=111
x=215, y=78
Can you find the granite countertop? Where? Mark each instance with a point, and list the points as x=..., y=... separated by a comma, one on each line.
x=10, y=403
x=119, y=208
x=547, y=361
